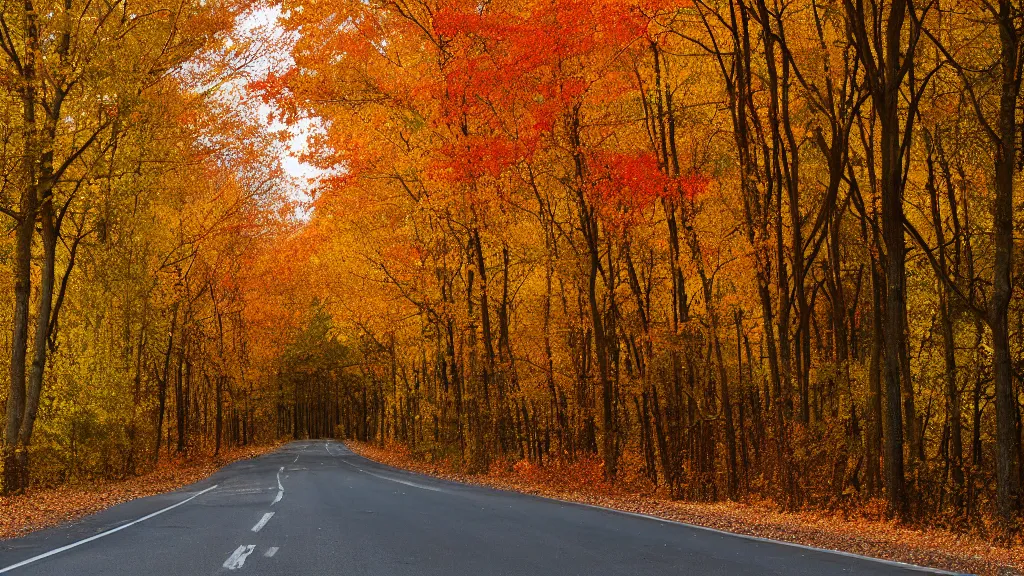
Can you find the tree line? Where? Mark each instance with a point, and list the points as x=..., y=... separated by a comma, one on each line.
x=733, y=248
x=139, y=200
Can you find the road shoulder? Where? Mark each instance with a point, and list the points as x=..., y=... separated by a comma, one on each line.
x=42, y=508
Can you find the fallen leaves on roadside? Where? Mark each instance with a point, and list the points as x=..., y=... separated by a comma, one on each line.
x=45, y=507
x=582, y=482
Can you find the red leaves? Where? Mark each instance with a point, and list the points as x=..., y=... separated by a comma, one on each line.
x=513, y=74
x=631, y=181
x=471, y=94
x=544, y=32
x=693, y=185
x=624, y=185
x=474, y=157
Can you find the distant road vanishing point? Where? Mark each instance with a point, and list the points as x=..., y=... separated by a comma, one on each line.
x=315, y=508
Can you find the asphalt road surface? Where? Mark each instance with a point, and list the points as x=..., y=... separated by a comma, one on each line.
x=315, y=508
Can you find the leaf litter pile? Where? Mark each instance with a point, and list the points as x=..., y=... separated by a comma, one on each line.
x=45, y=507
x=583, y=483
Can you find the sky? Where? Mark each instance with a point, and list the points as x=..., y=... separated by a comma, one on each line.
x=263, y=23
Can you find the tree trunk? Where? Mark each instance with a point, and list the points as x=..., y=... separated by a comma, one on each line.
x=1007, y=473
x=22, y=260
x=219, y=424
x=162, y=383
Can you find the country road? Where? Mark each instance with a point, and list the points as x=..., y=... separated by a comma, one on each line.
x=315, y=508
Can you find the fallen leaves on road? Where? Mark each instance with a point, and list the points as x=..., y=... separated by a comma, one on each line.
x=46, y=507
x=582, y=482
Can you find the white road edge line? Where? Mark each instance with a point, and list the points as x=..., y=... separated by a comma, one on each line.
x=396, y=480
x=263, y=522
x=102, y=534
x=915, y=567
x=271, y=551
x=280, y=488
x=406, y=482
x=237, y=558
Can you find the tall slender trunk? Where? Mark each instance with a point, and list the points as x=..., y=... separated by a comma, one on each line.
x=42, y=324
x=895, y=302
x=589, y=224
x=1007, y=436
x=219, y=423
x=162, y=383
x=874, y=410
x=22, y=260
x=878, y=31
x=955, y=451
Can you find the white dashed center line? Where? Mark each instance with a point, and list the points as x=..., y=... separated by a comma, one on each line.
x=237, y=558
x=280, y=488
x=271, y=551
x=263, y=522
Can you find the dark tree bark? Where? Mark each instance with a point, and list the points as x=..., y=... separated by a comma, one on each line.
x=162, y=383
x=22, y=260
x=878, y=32
x=1007, y=437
